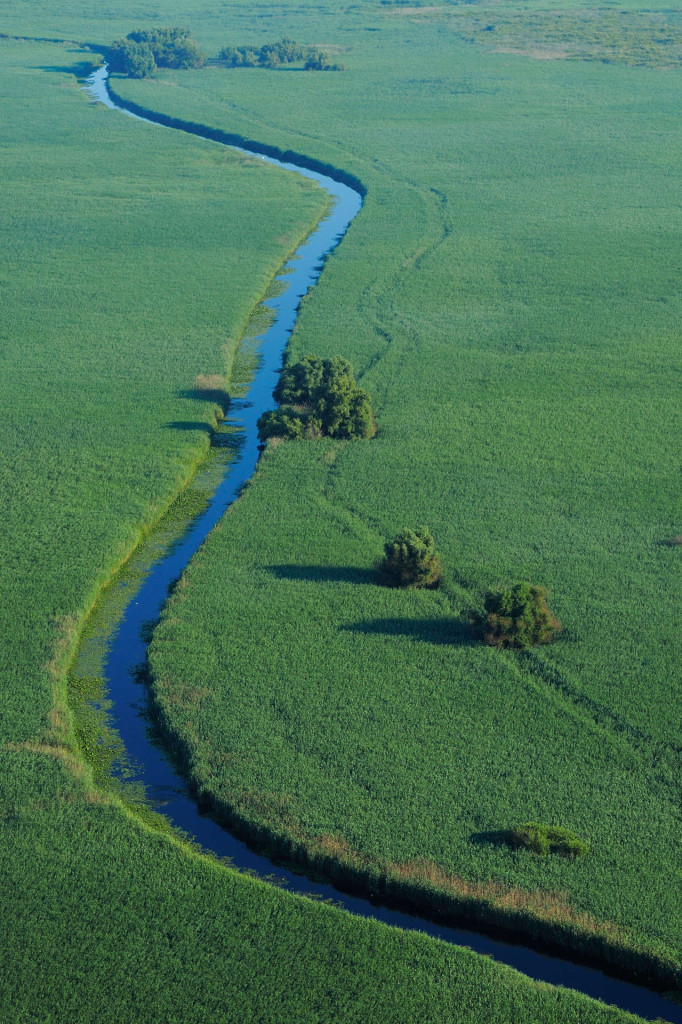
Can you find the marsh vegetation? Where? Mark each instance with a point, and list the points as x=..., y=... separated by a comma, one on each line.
x=508, y=298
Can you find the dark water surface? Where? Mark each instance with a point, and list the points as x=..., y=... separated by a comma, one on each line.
x=114, y=644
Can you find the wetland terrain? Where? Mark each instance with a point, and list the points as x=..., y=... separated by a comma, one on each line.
x=508, y=297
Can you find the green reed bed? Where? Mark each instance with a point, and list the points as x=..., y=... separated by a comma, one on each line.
x=508, y=296
x=133, y=259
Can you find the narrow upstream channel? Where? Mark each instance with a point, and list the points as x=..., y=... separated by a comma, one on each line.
x=160, y=564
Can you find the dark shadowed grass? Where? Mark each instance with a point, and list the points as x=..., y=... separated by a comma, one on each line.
x=326, y=574
x=450, y=631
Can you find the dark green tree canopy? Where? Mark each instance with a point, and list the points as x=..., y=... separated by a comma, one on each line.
x=133, y=59
x=275, y=55
x=142, y=51
x=517, y=617
x=320, y=398
x=302, y=382
x=411, y=560
x=284, y=422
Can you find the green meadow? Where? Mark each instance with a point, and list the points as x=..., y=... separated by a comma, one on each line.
x=507, y=296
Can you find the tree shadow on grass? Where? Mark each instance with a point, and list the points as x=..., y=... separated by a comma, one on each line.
x=453, y=632
x=325, y=574
x=82, y=69
x=217, y=395
x=189, y=425
x=496, y=837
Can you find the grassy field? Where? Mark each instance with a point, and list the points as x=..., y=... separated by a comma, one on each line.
x=509, y=298
x=103, y=921
x=133, y=257
x=100, y=416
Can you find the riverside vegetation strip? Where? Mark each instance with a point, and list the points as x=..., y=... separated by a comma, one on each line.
x=510, y=300
x=133, y=258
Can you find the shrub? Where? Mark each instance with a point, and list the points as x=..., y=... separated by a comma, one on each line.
x=411, y=560
x=238, y=57
x=546, y=839
x=284, y=422
x=518, y=617
x=274, y=55
x=286, y=51
x=319, y=61
x=320, y=398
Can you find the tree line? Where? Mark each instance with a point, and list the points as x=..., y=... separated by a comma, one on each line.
x=141, y=52
x=275, y=55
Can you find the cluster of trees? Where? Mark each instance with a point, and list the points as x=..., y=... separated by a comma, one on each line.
x=517, y=616
x=319, y=398
x=145, y=50
x=274, y=55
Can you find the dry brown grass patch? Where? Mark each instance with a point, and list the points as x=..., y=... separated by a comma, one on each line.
x=209, y=382
x=546, y=905
x=335, y=846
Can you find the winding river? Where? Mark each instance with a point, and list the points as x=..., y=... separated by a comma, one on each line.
x=159, y=563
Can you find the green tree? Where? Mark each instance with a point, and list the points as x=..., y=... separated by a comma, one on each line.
x=142, y=51
x=319, y=61
x=517, y=617
x=283, y=422
x=411, y=559
x=173, y=47
x=132, y=58
x=324, y=396
x=274, y=55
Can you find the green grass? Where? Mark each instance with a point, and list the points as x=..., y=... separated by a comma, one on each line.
x=509, y=297
x=130, y=270
x=133, y=259
x=569, y=31
x=104, y=921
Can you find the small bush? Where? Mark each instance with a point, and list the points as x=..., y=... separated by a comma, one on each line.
x=518, y=617
x=411, y=560
x=675, y=542
x=320, y=399
x=546, y=839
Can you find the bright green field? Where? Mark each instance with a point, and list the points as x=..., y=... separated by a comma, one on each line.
x=132, y=258
x=510, y=297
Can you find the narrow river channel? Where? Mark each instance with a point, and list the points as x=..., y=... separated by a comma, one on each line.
x=159, y=564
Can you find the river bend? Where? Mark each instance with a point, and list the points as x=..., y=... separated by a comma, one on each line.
x=126, y=648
